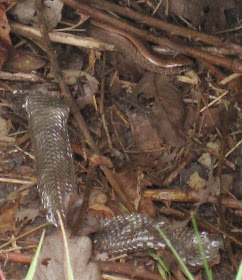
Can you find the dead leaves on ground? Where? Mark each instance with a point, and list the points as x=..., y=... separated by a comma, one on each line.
x=7, y=219
x=211, y=14
x=52, y=259
x=153, y=121
x=162, y=104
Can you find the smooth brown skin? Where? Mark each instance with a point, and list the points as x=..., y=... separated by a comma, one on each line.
x=136, y=51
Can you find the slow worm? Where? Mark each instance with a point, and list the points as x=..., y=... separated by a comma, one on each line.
x=136, y=51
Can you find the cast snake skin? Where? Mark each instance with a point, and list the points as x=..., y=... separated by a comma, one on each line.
x=48, y=117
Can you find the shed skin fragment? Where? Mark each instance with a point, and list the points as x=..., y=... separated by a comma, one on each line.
x=138, y=233
x=48, y=117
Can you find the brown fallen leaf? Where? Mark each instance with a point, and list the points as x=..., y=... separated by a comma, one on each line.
x=23, y=61
x=192, y=10
x=163, y=105
x=211, y=14
x=134, y=183
x=216, y=19
x=7, y=219
x=144, y=134
x=196, y=182
x=29, y=213
x=97, y=205
x=88, y=88
x=52, y=259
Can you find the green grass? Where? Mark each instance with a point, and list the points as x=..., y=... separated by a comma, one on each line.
x=188, y=273
x=32, y=269
x=239, y=274
x=205, y=262
x=162, y=268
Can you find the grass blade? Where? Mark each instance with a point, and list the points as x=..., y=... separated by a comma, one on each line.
x=32, y=269
x=189, y=275
x=68, y=260
x=208, y=272
x=239, y=274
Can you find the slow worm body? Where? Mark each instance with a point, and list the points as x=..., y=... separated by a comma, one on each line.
x=136, y=51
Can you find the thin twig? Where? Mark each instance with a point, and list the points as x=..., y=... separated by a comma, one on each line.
x=177, y=195
x=58, y=74
x=59, y=37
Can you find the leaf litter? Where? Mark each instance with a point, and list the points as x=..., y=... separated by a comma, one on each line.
x=154, y=132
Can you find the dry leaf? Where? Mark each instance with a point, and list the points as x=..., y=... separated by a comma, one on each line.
x=3, y=127
x=23, y=61
x=144, y=134
x=205, y=160
x=191, y=10
x=90, y=85
x=80, y=250
x=7, y=219
x=163, y=106
x=96, y=159
x=196, y=182
x=134, y=187
x=25, y=11
x=211, y=14
x=29, y=213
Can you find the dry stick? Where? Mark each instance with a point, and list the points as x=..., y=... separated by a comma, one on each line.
x=102, y=104
x=233, y=65
x=226, y=124
x=177, y=195
x=26, y=77
x=57, y=72
x=74, y=108
x=16, y=257
x=171, y=28
x=128, y=270
x=234, y=85
x=175, y=173
x=59, y=37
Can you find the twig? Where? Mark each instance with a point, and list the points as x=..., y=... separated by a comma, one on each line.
x=16, y=257
x=110, y=175
x=129, y=270
x=58, y=74
x=102, y=104
x=175, y=173
x=177, y=195
x=17, y=181
x=23, y=235
x=59, y=37
x=21, y=77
